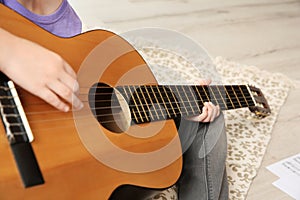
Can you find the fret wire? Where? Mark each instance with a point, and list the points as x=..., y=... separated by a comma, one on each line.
x=35, y=113
x=163, y=85
x=146, y=88
x=156, y=100
x=169, y=101
x=225, y=104
x=162, y=115
x=134, y=113
x=102, y=122
x=135, y=116
x=203, y=94
x=151, y=116
x=198, y=93
x=146, y=105
x=195, y=99
x=194, y=86
x=236, y=96
x=138, y=103
x=137, y=94
x=150, y=98
x=105, y=115
x=87, y=116
x=184, y=92
x=200, y=97
x=228, y=96
x=72, y=118
x=64, y=118
x=126, y=94
x=189, y=96
x=132, y=97
x=243, y=95
x=187, y=101
x=249, y=99
x=175, y=100
x=206, y=94
x=249, y=95
x=218, y=99
x=176, y=113
x=213, y=94
x=218, y=96
x=163, y=101
x=181, y=98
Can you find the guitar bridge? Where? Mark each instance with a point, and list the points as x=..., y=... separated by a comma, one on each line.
x=18, y=133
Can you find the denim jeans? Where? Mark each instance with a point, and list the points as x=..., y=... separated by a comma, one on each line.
x=203, y=175
x=205, y=148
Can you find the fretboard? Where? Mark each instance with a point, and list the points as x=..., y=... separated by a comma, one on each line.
x=156, y=102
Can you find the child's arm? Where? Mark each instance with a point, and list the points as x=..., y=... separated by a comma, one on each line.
x=39, y=71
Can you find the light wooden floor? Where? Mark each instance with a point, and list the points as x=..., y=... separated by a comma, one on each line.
x=264, y=33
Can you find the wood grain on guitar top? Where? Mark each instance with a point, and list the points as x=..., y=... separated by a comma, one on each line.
x=69, y=170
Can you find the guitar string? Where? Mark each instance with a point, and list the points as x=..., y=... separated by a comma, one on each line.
x=73, y=124
x=245, y=99
x=25, y=105
x=129, y=106
x=102, y=122
x=115, y=107
x=169, y=103
x=158, y=117
x=232, y=93
x=63, y=125
x=219, y=99
x=82, y=117
x=215, y=100
x=110, y=114
x=139, y=92
x=204, y=88
x=71, y=118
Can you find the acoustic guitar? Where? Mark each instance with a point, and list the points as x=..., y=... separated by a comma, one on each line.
x=124, y=135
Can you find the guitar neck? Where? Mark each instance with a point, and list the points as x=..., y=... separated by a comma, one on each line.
x=159, y=102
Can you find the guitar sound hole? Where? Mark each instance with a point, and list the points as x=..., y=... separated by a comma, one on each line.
x=109, y=107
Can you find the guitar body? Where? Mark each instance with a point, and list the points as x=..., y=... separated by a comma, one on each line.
x=69, y=168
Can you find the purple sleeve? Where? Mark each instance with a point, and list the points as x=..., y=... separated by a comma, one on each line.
x=64, y=22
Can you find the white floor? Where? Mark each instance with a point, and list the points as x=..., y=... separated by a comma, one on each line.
x=264, y=33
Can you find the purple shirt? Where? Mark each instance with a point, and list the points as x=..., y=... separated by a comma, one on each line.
x=64, y=22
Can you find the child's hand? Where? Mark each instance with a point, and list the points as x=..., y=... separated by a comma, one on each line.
x=40, y=71
x=209, y=110
x=209, y=113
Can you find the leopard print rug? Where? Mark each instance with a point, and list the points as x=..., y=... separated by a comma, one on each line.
x=248, y=137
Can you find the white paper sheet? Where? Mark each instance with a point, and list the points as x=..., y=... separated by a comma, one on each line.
x=288, y=170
